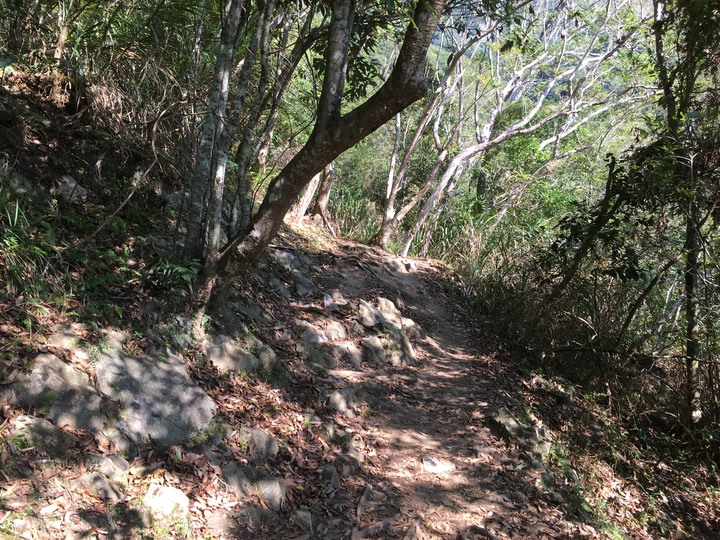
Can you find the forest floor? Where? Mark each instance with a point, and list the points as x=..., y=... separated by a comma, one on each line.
x=470, y=439
x=429, y=460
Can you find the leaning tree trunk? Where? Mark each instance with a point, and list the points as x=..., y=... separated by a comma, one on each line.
x=333, y=133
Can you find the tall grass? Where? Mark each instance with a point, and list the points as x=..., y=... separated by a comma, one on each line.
x=34, y=277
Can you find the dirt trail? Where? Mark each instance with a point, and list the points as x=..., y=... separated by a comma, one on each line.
x=415, y=459
x=434, y=470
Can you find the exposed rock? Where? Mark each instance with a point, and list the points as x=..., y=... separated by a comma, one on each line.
x=504, y=425
x=304, y=520
x=273, y=491
x=368, y=316
x=66, y=336
x=284, y=259
x=334, y=299
x=158, y=400
x=542, y=441
x=389, y=312
x=113, y=467
x=26, y=527
x=254, y=516
x=116, y=339
x=312, y=335
x=249, y=311
x=394, y=264
x=412, y=329
x=279, y=288
x=303, y=286
x=436, y=465
x=330, y=476
x=175, y=200
x=315, y=356
x=228, y=355
x=49, y=439
x=240, y=478
x=262, y=445
x=18, y=183
x=393, y=347
x=264, y=352
x=347, y=351
x=346, y=400
x=221, y=522
x=98, y=485
x=332, y=434
x=166, y=503
x=250, y=482
x=180, y=331
x=334, y=330
x=374, y=346
x=70, y=191
x=346, y=465
x=63, y=394
x=356, y=448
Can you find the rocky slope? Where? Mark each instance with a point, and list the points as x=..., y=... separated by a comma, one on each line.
x=353, y=396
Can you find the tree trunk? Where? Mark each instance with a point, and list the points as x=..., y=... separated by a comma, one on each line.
x=254, y=147
x=333, y=133
x=209, y=174
x=692, y=339
x=300, y=209
x=323, y=196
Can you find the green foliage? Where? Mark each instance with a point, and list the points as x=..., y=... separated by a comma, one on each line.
x=174, y=277
x=29, y=265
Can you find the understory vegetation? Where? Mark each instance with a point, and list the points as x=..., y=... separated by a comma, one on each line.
x=564, y=163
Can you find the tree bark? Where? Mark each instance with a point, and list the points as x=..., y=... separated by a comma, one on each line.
x=300, y=209
x=209, y=174
x=323, y=196
x=333, y=133
x=692, y=338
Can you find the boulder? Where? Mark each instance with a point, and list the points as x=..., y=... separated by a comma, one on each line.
x=62, y=394
x=49, y=439
x=312, y=335
x=70, y=191
x=334, y=330
x=166, y=503
x=347, y=351
x=262, y=445
x=389, y=312
x=313, y=355
x=374, y=347
x=98, y=485
x=225, y=354
x=279, y=288
x=368, y=316
x=346, y=400
x=330, y=476
x=285, y=259
x=503, y=424
x=303, y=286
x=156, y=397
x=252, y=482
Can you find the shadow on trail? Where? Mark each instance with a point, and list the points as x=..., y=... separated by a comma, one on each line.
x=420, y=417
